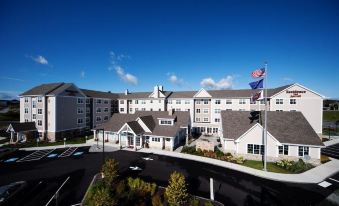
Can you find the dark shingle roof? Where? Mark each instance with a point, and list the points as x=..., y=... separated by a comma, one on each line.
x=23, y=126
x=99, y=94
x=43, y=89
x=286, y=127
x=135, y=126
x=182, y=119
x=140, y=95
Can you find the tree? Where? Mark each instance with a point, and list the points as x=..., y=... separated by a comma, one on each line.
x=110, y=171
x=176, y=191
x=101, y=197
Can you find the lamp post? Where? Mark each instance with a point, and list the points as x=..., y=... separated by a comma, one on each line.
x=64, y=142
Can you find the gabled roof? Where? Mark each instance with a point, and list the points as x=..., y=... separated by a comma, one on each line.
x=151, y=120
x=43, y=89
x=286, y=127
x=135, y=126
x=99, y=94
x=22, y=126
x=140, y=95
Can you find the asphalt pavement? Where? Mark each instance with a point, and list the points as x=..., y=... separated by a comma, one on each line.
x=46, y=175
x=331, y=151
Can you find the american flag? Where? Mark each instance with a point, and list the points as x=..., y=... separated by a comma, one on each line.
x=258, y=73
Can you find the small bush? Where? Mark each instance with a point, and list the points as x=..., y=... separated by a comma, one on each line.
x=324, y=159
x=156, y=200
x=208, y=203
x=120, y=188
x=194, y=202
x=300, y=166
x=284, y=163
x=141, y=187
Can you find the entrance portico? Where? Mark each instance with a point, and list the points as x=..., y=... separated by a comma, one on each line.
x=133, y=135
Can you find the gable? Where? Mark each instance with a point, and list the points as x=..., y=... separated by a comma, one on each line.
x=143, y=125
x=154, y=95
x=255, y=136
x=202, y=93
x=297, y=91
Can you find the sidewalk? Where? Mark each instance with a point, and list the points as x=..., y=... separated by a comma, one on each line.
x=88, y=143
x=315, y=175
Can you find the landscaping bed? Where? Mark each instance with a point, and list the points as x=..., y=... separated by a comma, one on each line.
x=115, y=190
x=283, y=166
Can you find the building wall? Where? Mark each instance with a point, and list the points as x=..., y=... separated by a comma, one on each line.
x=183, y=106
x=105, y=103
x=149, y=104
x=309, y=103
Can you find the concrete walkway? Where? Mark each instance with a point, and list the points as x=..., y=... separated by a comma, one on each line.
x=315, y=175
x=88, y=143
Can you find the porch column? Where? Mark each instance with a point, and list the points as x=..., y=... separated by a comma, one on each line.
x=119, y=139
x=95, y=135
x=134, y=142
x=17, y=137
x=187, y=136
x=12, y=136
x=172, y=144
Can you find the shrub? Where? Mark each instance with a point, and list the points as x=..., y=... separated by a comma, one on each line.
x=120, y=188
x=141, y=187
x=156, y=200
x=208, y=203
x=324, y=159
x=111, y=171
x=194, y=202
x=300, y=166
x=284, y=163
x=176, y=191
x=99, y=195
x=218, y=152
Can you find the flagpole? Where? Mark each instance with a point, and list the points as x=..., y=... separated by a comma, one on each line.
x=265, y=131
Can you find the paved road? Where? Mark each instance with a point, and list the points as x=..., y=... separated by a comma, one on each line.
x=233, y=188
x=331, y=151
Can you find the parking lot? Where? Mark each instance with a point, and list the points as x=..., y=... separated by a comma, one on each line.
x=46, y=154
x=331, y=151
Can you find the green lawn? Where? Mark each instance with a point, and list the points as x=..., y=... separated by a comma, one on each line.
x=331, y=116
x=271, y=167
x=10, y=116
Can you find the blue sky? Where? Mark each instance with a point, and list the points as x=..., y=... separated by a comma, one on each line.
x=183, y=45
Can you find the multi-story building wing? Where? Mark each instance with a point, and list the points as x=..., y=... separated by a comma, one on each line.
x=58, y=109
x=100, y=107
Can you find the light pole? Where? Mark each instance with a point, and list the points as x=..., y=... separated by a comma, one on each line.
x=64, y=142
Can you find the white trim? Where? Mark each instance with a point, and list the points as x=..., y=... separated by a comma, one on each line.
x=296, y=84
x=202, y=89
x=119, y=131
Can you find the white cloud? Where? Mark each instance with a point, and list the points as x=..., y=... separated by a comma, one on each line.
x=11, y=78
x=115, y=60
x=224, y=83
x=40, y=60
x=82, y=74
x=129, y=78
x=9, y=95
x=173, y=78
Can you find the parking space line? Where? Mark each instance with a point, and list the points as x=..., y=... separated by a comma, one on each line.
x=37, y=155
x=68, y=152
x=333, y=179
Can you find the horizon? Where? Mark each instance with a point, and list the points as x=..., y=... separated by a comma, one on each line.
x=184, y=46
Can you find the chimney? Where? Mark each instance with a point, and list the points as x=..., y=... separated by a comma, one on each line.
x=170, y=112
x=126, y=92
x=156, y=91
x=161, y=88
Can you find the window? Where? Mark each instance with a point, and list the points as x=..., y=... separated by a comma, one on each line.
x=215, y=130
x=279, y=101
x=155, y=139
x=205, y=101
x=255, y=149
x=197, y=119
x=143, y=109
x=198, y=101
x=130, y=109
x=151, y=109
x=178, y=101
x=217, y=111
x=98, y=101
x=241, y=109
x=242, y=101
x=122, y=102
x=293, y=110
x=217, y=101
x=98, y=110
x=206, y=111
x=105, y=101
x=283, y=150
x=39, y=99
x=169, y=101
x=228, y=109
x=166, y=122
x=293, y=101
x=143, y=102
x=136, y=101
x=105, y=118
x=279, y=110
x=33, y=104
x=228, y=101
x=39, y=122
x=26, y=120
x=80, y=100
x=205, y=119
x=136, y=109
x=87, y=101
x=34, y=116
x=262, y=101
x=88, y=110
x=187, y=101
x=197, y=110
x=303, y=151
x=80, y=121
x=106, y=109
x=122, y=110
x=98, y=119
x=129, y=102
x=151, y=101
x=178, y=109
x=217, y=120
x=80, y=110
x=26, y=110
x=26, y=99
x=39, y=111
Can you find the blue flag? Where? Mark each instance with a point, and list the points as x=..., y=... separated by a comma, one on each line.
x=257, y=85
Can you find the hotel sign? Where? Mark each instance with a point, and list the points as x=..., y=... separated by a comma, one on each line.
x=295, y=93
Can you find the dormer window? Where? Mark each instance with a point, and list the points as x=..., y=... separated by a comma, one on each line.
x=166, y=121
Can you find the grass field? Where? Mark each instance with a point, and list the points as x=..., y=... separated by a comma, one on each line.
x=271, y=167
x=331, y=116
